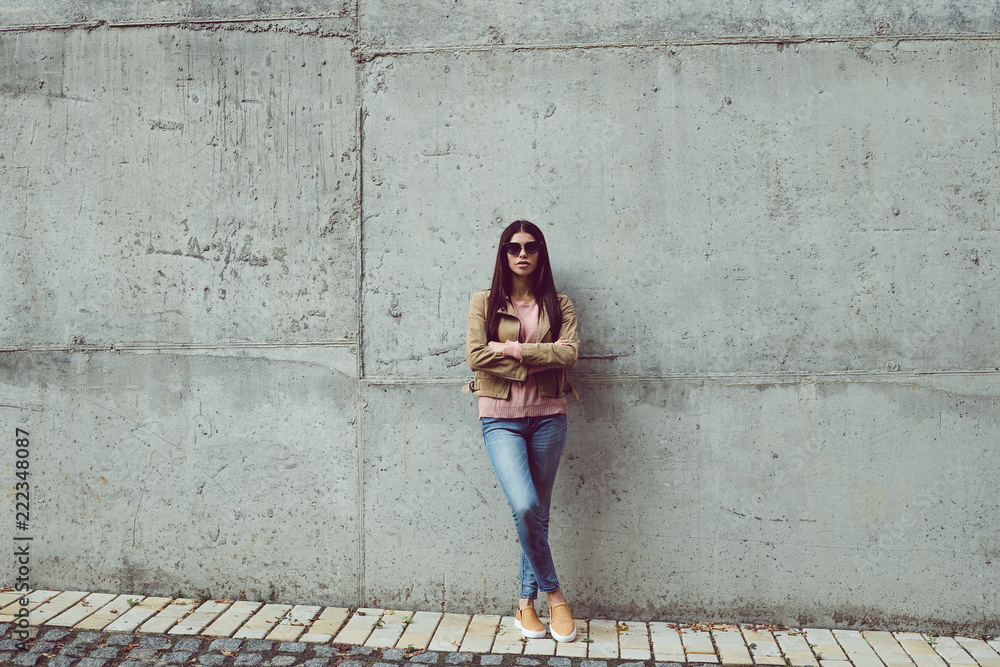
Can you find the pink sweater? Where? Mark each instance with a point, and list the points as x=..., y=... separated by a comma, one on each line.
x=524, y=400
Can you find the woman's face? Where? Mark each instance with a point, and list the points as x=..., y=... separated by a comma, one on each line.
x=523, y=264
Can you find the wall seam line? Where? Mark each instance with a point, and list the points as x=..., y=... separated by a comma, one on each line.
x=359, y=188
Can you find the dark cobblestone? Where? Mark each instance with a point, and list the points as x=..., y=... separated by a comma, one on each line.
x=428, y=658
x=74, y=651
x=385, y=664
x=86, y=638
x=393, y=654
x=91, y=662
x=292, y=647
x=360, y=650
x=283, y=660
x=119, y=640
x=175, y=657
x=489, y=659
x=24, y=659
x=8, y=645
x=668, y=664
x=105, y=652
x=458, y=658
x=259, y=645
x=142, y=654
x=4, y=657
x=593, y=663
x=152, y=641
x=4, y=627
x=632, y=664
x=316, y=662
x=527, y=662
x=60, y=661
x=352, y=663
x=189, y=644
x=559, y=662
x=42, y=647
x=324, y=651
x=211, y=659
x=231, y=645
x=52, y=635
x=248, y=659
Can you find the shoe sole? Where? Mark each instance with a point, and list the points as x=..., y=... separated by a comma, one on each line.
x=530, y=634
x=562, y=638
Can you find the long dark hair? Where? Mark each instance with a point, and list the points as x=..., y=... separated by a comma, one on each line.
x=545, y=288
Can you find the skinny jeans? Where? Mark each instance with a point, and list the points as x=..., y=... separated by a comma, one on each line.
x=525, y=456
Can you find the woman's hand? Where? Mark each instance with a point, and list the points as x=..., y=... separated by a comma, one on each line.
x=495, y=346
x=562, y=341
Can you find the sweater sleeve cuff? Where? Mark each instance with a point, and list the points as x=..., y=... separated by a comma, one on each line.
x=512, y=348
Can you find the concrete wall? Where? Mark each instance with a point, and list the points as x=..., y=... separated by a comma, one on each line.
x=238, y=248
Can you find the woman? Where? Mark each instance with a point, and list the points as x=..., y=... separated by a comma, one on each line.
x=521, y=341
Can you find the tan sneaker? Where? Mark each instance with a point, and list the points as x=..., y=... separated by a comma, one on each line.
x=561, y=625
x=526, y=620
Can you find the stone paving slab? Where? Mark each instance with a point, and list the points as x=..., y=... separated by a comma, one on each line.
x=79, y=629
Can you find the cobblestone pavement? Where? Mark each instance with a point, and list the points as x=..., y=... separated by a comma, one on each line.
x=81, y=629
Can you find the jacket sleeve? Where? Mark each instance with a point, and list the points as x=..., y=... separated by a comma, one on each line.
x=477, y=353
x=553, y=355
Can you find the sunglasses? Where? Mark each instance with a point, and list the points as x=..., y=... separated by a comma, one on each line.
x=531, y=247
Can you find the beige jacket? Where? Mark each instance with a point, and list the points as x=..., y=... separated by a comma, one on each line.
x=495, y=372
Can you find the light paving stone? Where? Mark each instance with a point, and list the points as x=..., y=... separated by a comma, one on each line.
x=667, y=645
x=508, y=639
x=263, y=621
x=835, y=663
x=887, y=648
x=853, y=643
x=167, y=617
x=107, y=614
x=358, y=627
x=137, y=614
x=824, y=645
x=544, y=645
x=951, y=651
x=794, y=645
x=983, y=653
x=574, y=649
x=10, y=597
x=732, y=649
x=293, y=624
x=633, y=641
x=81, y=610
x=419, y=632
x=391, y=628
x=450, y=632
x=197, y=620
x=231, y=619
x=35, y=600
x=915, y=645
x=698, y=646
x=604, y=639
x=479, y=637
x=329, y=622
x=995, y=644
x=55, y=606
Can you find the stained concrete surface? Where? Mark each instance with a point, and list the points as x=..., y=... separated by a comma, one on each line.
x=265, y=223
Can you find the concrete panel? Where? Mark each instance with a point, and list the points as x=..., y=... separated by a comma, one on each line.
x=819, y=502
x=230, y=472
x=177, y=186
x=557, y=22
x=720, y=209
x=438, y=530
x=42, y=12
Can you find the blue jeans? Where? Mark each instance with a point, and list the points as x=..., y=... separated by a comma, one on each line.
x=525, y=455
